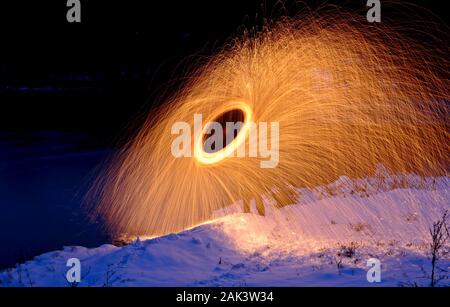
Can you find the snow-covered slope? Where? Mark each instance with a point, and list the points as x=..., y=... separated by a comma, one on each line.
x=324, y=240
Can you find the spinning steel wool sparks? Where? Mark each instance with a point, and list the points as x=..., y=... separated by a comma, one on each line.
x=347, y=95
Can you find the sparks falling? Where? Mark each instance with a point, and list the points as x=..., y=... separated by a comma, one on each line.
x=348, y=96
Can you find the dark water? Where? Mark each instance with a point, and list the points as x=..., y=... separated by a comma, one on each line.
x=43, y=179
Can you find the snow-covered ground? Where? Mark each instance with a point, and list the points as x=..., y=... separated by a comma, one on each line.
x=324, y=240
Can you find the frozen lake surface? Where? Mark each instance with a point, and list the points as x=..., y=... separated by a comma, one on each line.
x=43, y=177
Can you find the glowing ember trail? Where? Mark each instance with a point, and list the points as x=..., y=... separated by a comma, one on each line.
x=215, y=157
x=348, y=96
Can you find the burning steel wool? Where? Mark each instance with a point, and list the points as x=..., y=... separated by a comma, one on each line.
x=347, y=96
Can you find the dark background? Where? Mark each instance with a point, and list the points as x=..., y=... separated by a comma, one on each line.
x=96, y=76
x=67, y=91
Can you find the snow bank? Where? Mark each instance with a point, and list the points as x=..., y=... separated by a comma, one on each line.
x=323, y=240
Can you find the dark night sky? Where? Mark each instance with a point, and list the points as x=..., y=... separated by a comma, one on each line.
x=96, y=76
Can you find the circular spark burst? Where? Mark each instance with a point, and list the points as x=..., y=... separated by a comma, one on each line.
x=205, y=157
x=348, y=96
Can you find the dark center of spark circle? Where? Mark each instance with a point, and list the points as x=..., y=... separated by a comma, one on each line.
x=235, y=119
